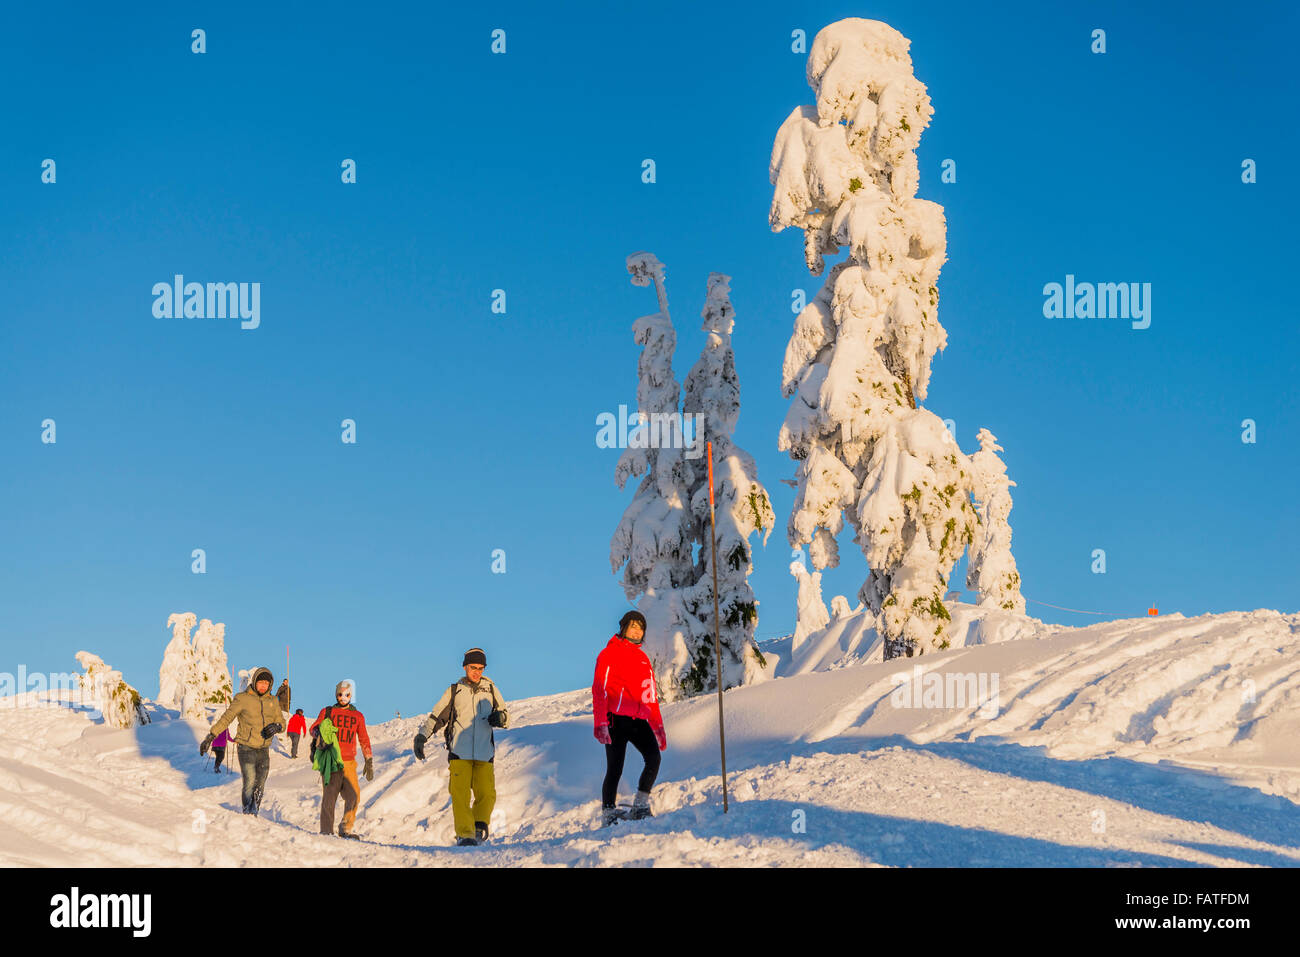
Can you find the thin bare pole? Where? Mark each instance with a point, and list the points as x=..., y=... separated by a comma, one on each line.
x=717, y=645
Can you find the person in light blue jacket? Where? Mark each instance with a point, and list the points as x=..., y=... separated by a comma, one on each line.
x=467, y=713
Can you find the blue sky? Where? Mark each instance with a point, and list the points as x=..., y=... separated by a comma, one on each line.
x=521, y=172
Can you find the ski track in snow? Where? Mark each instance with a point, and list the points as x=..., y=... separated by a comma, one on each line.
x=1146, y=742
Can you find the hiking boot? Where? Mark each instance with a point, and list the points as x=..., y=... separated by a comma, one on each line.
x=611, y=815
x=640, y=807
x=347, y=834
x=480, y=831
x=466, y=842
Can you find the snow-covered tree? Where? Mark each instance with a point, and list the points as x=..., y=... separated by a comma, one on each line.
x=194, y=675
x=845, y=171
x=840, y=606
x=105, y=690
x=915, y=520
x=653, y=541
x=742, y=508
x=211, y=675
x=178, y=662
x=810, y=609
x=991, y=570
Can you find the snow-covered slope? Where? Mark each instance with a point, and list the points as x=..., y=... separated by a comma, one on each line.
x=1139, y=742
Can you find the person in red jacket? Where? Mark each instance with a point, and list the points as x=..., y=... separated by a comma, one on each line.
x=625, y=706
x=350, y=725
x=297, y=728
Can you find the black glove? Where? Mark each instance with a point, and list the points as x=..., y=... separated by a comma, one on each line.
x=369, y=770
x=419, y=746
x=497, y=719
x=206, y=743
x=271, y=729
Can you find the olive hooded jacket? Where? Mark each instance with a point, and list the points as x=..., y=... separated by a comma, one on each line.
x=254, y=712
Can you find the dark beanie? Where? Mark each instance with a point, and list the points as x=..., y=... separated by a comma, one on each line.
x=630, y=617
x=475, y=656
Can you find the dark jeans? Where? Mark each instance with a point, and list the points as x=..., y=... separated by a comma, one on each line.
x=253, y=764
x=622, y=731
x=294, y=738
x=217, y=754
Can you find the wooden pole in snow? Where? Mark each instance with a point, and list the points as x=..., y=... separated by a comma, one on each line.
x=717, y=645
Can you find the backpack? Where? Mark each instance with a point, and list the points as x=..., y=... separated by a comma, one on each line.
x=450, y=714
x=450, y=717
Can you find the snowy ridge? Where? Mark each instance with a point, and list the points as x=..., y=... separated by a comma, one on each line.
x=851, y=639
x=1139, y=742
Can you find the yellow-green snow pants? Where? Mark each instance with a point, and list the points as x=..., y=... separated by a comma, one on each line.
x=476, y=776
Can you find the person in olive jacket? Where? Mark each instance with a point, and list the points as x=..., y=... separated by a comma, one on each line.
x=260, y=719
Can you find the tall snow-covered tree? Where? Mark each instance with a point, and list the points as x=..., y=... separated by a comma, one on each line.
x=178, y=662
x=844, y=170
x=991, y=570
x=195, y=674
x=742, y=508
x=104, y=688
x=653, y=541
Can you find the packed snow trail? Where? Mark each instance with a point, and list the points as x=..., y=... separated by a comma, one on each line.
x=1166, y=741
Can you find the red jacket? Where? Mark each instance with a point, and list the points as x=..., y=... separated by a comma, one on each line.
x=350, y=725
x=297, y=725
x=625, y=684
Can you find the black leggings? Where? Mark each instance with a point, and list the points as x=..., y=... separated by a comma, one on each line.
x=623, y=730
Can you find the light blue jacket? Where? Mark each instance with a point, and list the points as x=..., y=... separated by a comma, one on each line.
x=464, y=708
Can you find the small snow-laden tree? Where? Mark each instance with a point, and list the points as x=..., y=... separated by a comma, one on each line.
x=844, y=170
x=712, y=399
x=653, y=541
x=991, y=569
x=178, y=661
x=840, y=606
x=211, y=675
x=810, y=609
x=245, y=678
x=104, y=688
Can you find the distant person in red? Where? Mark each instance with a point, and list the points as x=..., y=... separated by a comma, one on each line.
x=297, y=728
x=625, y=706
x=350, y=726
